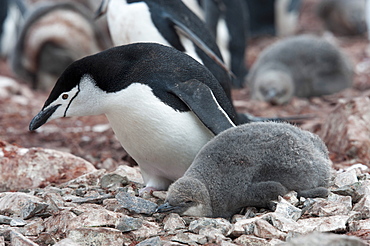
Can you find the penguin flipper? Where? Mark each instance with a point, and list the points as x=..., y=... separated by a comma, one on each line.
x=184, y=30
x=200, y=99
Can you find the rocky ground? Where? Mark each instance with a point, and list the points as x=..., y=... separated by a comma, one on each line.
x=71, y=183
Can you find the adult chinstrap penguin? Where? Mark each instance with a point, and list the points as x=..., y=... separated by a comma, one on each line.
x=250, y=165
x=162, y=105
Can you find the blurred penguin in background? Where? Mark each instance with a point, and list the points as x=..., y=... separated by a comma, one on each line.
x=53, y=36
x=302, y=66
x=228, y=22
x=169, y=23
x=343, y=17
x=11, y=19
x=273, y=17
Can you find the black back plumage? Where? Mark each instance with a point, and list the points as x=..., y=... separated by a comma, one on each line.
x=236, y=15
x=164, y=12
x=155, y=65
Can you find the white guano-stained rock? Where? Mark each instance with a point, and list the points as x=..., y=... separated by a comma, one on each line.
x=22, y=168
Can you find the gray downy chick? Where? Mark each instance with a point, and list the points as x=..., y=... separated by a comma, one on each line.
x=302, y=66
x=53, y=36
x=343, y=17
x=250, y=165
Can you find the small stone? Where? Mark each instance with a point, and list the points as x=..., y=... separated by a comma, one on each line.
x=17, y=222
x=114, y=205
x=363, y=206
x=264, y=229
x=160, y=194
x=291, y=197
x=281, y=222
x=336, y=223
x=5, y=219
x=33, y=227
x=154, y=241
x=45, y=239
x=189, y=238
x=136, y=204
x=173, y=222
x=93, y=216
x=213, y=235
x=147, y=230
x=359, y=225
x=333, y=205
x=96, y=236
x=346, y=178
x=66, y=242
x=132, y=173
x=91, y=199
x=13, y=203
x=223, y=225
x=364, y=188
x=59, y=223
x=244, y=226
x=17, y=239
x=349, y=190
x=127, y=223
x=324, y=239
x=89, y=179
x=30, y=209
x=288, y=210
x=251, y=240
x=113, y=181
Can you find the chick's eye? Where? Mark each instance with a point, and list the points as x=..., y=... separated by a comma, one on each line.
x=189, y=201
x=65, y=96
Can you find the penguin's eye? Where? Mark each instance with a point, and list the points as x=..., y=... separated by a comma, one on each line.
x=65, y=96
x=188, y=202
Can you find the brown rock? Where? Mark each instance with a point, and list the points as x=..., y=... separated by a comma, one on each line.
x=264, y=229
x=347, y=129
x=251, y=240
x=14, y=203
x=96, y=236
x=17, y=239
x=22, y=168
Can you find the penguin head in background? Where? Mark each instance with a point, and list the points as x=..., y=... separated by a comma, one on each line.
x=187, y=196
x=274, y=86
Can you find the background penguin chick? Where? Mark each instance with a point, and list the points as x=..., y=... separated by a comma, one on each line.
x=53, y=36
x=343, y=17
x=274, y=86
x=307, y=65
x=250, y=165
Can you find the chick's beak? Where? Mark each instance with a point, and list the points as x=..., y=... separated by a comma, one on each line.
x=166, y=207
x=42, y=117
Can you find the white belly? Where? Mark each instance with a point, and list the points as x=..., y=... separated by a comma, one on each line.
x=163, y=141
x=131, y=23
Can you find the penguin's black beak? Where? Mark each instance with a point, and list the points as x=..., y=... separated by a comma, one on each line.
x=165, y=207
x=102, y=9
x=42, y=117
